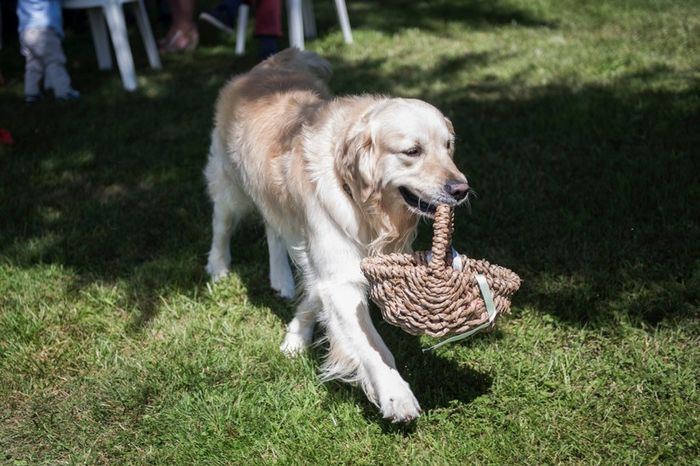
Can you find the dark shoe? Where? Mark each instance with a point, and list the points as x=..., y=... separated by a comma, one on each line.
x=72, y=94
x=268, y=46
x=32, y=98
x=221, y=18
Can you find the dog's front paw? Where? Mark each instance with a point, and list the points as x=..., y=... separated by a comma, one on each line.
x=396, y=401
x=400, y=408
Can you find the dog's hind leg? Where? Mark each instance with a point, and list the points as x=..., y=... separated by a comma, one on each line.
x=223, y=224
x=230, y=204
x=281, y=277
x=300, y=330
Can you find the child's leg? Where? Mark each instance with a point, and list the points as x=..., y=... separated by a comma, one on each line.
x=55, y=63
x=268, y=25
x=34, y=68
x=268, y=18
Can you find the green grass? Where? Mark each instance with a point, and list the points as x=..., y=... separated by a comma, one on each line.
x=577, y=124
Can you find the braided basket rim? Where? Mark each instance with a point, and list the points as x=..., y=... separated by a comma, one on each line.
x=415, y=273
x=393, y=268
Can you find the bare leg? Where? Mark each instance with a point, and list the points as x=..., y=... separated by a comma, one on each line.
x=183, y=15
x=182, y=34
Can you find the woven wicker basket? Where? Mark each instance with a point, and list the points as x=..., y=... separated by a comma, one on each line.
x=424, y=295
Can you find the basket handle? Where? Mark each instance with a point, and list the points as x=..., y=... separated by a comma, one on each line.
x=443, y=226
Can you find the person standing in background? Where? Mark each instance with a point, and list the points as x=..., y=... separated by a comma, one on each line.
x=268, y=21
x=40, y=37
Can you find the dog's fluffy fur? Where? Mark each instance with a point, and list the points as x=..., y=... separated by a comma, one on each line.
x=334, y=180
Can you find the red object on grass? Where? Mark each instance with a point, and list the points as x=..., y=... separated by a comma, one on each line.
x=6, y=136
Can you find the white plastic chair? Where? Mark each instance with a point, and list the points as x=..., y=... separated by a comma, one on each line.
x=112, y=11
x=301, y=21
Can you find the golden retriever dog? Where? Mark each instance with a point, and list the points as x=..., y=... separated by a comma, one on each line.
x=335, y=180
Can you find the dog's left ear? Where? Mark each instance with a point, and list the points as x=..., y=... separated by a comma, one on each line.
x=450, y=126
x=451, y=129
x=354, y=162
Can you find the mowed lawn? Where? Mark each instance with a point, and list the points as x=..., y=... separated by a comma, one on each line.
x=578, y=124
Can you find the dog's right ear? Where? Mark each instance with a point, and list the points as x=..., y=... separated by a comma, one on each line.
x=354, y=162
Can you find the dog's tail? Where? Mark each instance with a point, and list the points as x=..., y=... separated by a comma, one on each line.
x=318, y=65
x=294, y=58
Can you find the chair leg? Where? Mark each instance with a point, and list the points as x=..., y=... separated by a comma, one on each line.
x=117, y=30
x=100, y=39
x=242, y=28
x=344, y=20
x=149, y=42
x=309, y=19
x=296, y=28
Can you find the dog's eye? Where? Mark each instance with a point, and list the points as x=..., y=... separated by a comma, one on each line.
x=413, y=152
x=449, y=145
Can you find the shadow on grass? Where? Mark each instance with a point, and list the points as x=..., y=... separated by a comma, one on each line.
x=397, y=15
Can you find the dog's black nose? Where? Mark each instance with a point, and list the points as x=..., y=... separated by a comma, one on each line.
x=457, y=189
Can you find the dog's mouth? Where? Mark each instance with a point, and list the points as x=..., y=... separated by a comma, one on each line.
x=417, y=204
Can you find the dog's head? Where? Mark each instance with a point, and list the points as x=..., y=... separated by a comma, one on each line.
x=397, y=163
x=402, y=151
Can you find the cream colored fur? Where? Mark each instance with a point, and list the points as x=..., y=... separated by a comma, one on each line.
x=325, y=173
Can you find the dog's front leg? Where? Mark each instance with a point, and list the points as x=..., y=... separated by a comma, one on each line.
x=357, y=352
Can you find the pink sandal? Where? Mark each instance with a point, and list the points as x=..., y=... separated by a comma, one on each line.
x=181, y=41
